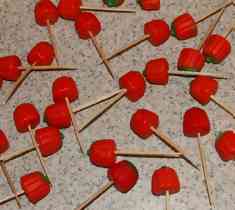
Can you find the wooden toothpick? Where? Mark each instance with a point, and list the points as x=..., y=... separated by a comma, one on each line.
x=10, y=182
x=74, y=123
x=12, y=197
x=167, y=200
x=48, y=68
x=94, y=196
x=101, y=54
x=195, y=74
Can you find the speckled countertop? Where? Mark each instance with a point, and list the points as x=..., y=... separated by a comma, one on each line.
x=73, y=177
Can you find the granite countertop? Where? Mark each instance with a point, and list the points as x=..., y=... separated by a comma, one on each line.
x=73, y=177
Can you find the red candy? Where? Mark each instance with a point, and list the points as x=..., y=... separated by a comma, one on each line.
x=142, y=121
x=150, y=4
x=46, y=12
x=163, y=180
x=158, y=30
x=57, y=115
x=157, y=71
x=69, y=9
x=1, y=82
x=225, y=146
x=35, y=185
x=26, y=115
x=4, y=144
x=190, y=60
x=196, y=122
x=42, y=54
x=202, y=88
x=49, y=140
x=102, y=153
x=216, y=48
x=64, y=87
x=184, y=27
x=9, y=67
x=87, y=23
x=124, y=175
x=134, y=83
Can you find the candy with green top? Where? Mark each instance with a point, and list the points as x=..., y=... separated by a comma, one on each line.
x=113, y=3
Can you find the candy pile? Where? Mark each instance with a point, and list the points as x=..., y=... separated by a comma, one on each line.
x=144, y=123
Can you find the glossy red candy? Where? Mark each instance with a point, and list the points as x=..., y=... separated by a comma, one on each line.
x=35, y=185
x=142, y=121
x=216, y=48
x=49, y=140
x=157, y=71
x=64, y=87
x=4, y=143
x=225, y=145
x=42, y=54
x=9, y=67
x=163, y=180
x=45, y=13
x=102, y=153
x=124, y=175
x=202, y=88
x=57, y=115
x=158, y=30
x=184, y=27
x=69, y=9
x=190, y=60
x=196, y=122
x=26, y=115
x=133, y=82
x=150, y=4
x=87, y=23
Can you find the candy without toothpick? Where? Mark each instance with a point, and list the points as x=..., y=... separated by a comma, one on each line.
x=149, y=4
x=4, y=143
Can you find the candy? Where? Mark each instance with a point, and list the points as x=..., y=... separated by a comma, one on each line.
x=216, y=48
x=35, y=186
x=158, y=30
x=202, y=88
x=46, y=13
x=184, y=27
x=149, y=4
x=4, y=143
x=25, y=116
x=165, y=180
x=87, y=23
x=49, y=140
x=57, y=115
x=134, y=83
x=196, y=122
x=225, y=145
x=157, y=71
x=42, y=54
x=64, y=87
x=142, y=121
x=102, y=153
x=69, y=9
x=124, y=175
x=9, y=67
x=190, y=60
x=113, y=3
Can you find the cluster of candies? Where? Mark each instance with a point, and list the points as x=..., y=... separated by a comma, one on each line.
x=144, y=123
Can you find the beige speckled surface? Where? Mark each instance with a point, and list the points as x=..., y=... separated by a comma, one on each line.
x=74, y=178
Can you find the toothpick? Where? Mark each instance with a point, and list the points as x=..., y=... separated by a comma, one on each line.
x=38, y=151
x=167, y=200
x=10, y=198
x=74, y=123
x=47, y=68
x=102, y=111
x=98, y=100
x=99, y=9
x=173, y=145
x=94, y=196
x=229, y=32
x=10, y=182
x=139, y=153
x=203, y=163
x=223, y=106
x=101, y=54
x=195, y=74
x=131, y=45
x=53, y=41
